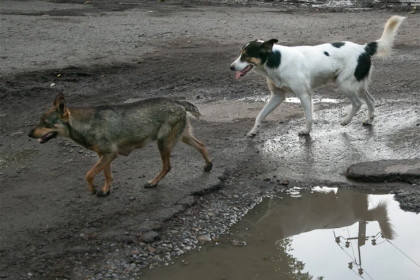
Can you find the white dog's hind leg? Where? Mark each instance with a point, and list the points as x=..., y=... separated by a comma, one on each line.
x=277, y=96
x=371, y=107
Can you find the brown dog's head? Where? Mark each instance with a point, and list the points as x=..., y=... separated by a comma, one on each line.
x=53, y=122
x=254, y=53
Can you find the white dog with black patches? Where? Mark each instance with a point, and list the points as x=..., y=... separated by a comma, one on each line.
x=301, y=69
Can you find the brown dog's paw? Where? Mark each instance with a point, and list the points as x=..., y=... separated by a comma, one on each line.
x=92, y=191
x=100, y=193
x=149, y=185
x=208, y=167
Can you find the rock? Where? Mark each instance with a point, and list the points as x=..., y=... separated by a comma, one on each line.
x=204, y=238
x=18, y=133
x=151, y=249
x=385, y=171
x=150, y=236
x=238, y=243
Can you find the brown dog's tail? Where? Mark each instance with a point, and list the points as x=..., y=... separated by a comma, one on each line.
x=189, y=107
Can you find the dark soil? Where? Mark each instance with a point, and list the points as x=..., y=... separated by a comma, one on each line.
x=49, y=222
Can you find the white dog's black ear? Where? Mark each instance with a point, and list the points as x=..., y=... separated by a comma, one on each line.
x=268, y=45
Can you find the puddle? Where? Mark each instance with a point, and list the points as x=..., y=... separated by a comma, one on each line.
x=265, y=98
x=314, y=100
x=325, y=233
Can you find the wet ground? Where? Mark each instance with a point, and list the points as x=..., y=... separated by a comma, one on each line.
x=325, y=233
x=102, y=53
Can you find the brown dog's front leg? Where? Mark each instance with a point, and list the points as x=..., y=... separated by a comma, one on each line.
x=166, y=167
x=165, y=147
x=104, y=163
x=108, y=181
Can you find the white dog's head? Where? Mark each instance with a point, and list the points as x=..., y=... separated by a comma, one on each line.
x=254, y=53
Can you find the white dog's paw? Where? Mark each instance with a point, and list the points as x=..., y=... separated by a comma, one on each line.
x=304, y=131
x=253, y=132
x=368, y=121
x=344, y=121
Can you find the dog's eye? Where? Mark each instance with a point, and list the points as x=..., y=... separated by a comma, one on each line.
x=48, y=123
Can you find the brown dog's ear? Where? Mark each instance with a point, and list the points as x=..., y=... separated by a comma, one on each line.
x=268, y=45
x=60, y=104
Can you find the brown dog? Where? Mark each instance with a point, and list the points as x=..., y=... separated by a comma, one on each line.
x=113, y=130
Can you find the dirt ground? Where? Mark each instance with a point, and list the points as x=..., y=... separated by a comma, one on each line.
x=105, y=53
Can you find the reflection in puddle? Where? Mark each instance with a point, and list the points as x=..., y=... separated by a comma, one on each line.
x=265, y=98
x=326, y=233
x=315, y=100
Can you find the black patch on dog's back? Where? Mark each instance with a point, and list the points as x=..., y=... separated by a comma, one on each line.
x=338, y=44
x=371, y=48
x=274, y=59
x=363, y=66
x=326, y=53
x=364, y=63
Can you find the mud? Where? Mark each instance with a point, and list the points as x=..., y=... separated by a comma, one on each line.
x=108, y=53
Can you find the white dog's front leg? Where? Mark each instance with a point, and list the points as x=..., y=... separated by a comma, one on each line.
x=274, y=101
x=306, y=100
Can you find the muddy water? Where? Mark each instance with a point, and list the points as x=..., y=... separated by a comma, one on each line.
x=322, y=234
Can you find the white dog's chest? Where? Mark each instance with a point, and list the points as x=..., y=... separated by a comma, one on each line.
x=275, y=78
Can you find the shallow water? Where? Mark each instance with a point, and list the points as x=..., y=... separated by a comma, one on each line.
x=325, y=233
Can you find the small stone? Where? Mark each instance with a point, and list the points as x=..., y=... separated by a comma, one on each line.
x=151, y=249
x=150, y=236
x=17, y=133
x=238, y=243
x=204, y=238
x=284, y=183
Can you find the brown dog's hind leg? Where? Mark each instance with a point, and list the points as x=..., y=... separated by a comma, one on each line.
x=104, y=163
x=189, y=139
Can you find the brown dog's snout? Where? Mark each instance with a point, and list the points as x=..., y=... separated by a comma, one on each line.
x=31, y=133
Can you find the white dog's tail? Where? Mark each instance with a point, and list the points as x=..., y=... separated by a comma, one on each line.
x=384, y=44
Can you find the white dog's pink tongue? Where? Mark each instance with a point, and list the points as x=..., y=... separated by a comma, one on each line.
x=243, y=71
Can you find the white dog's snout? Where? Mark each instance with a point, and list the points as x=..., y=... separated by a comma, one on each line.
x=238, y=65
